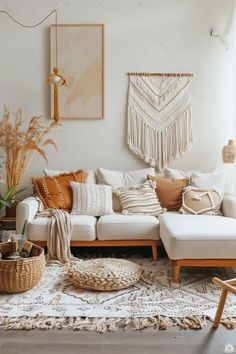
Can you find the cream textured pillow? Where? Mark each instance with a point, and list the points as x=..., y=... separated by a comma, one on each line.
x=91, y=199
x=140, y=199
x=200, y=201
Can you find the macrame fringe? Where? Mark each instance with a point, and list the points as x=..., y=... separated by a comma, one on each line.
x=159, y=148
x=102, y=325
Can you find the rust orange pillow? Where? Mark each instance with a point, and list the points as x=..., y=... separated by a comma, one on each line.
x=169, y=191
x=55, y=192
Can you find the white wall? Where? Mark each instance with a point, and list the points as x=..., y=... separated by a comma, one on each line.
x=140, y=35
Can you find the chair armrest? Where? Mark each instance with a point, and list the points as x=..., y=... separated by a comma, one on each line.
x=229, y=205
x=26, y=210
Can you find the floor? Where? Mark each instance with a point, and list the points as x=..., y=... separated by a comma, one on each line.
x=205, y=341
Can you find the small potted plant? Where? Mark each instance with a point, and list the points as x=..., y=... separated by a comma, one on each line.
x=17, y=146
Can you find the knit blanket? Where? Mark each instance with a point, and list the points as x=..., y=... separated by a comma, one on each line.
x=59, y=230
x=159, y=118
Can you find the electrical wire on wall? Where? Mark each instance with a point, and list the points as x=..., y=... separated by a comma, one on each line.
x=55, y=78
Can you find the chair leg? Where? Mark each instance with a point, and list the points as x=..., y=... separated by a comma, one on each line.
x=176, y=273
x=154, y=253
x=220, y=308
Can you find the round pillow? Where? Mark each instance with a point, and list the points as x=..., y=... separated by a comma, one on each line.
x=104, y=274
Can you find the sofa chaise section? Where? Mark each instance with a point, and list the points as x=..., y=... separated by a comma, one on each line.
x=200, y=240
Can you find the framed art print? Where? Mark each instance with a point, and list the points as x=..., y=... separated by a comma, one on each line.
x=80, y=58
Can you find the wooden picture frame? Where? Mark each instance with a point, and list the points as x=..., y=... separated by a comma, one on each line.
x=80, y=59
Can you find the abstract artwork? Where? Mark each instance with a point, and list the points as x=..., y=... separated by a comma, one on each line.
x=80, y=51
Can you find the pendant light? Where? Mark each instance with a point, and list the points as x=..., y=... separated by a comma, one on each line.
x=55, y=78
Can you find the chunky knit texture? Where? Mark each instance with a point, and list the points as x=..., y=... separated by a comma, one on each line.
x=91, y=199
x=106, y=274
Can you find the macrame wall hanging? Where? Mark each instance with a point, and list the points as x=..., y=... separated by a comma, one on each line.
x=159, y=117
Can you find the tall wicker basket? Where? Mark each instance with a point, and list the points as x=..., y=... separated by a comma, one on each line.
x=21, y=274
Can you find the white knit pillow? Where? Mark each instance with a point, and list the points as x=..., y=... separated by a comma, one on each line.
x=91, y=199
x=140, y=199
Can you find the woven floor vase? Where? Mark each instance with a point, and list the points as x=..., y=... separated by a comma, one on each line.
x=22, y=274
x=104, y=274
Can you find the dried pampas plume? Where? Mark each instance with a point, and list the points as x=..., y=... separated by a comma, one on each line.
x=18, y=144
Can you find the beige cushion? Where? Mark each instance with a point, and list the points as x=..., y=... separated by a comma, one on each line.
x=84, y=228
x=140, y=199
x=117, y=179
x=199, y=201
x=104, y=274
x=91, y=174
x=198, y=236
x=91, y=199
x=128, y=227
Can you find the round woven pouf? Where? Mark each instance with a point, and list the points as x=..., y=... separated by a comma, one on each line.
x=104, y=274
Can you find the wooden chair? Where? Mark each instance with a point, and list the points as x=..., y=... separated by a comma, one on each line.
x=226, y=287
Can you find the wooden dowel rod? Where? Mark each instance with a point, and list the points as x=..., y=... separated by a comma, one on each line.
x=161, y=74
x=224, y=285
x=231, y=281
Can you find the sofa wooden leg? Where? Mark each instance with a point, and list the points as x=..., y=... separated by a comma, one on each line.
x=220, y=308
x=176, y=273
x=154, y=253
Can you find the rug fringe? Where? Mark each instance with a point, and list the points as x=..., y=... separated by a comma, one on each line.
x=103, y=325
x=229, y=322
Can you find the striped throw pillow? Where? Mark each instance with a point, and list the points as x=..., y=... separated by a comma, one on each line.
x=140, y=199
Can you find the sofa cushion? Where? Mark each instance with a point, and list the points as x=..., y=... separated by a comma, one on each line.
x=91, y=174
x=169, y=191
x=91, y=199
x=212, y=180
x=140, y=199
x=173, y=173
x=201, y=201
x=55, y=192
x=198, y=236
x=117, y=179
x=128, y=227
x=84, y=228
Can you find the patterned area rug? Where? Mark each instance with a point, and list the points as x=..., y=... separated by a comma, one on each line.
x=153, y=302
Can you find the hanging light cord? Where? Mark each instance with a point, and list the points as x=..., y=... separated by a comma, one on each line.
x=36, y=24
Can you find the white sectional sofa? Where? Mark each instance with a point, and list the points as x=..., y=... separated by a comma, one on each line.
x=189, y=240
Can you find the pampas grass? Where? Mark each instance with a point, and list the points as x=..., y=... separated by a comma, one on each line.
x=18, y=144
